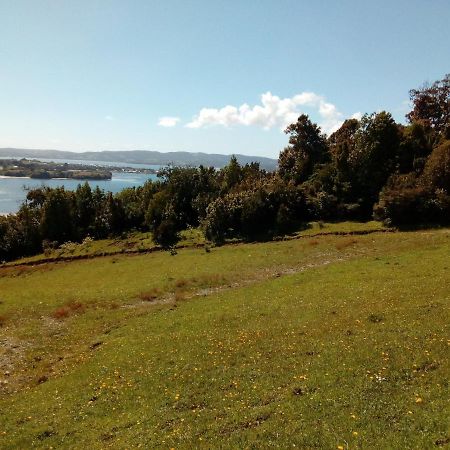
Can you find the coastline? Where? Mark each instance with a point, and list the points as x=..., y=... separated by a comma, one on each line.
x=56, y=178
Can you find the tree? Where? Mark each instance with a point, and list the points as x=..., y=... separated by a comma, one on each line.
x=165, y=234
x=307, y=148
x=85, y=212
x=416, y=144
x=131, y=200
x=231, y=174
x=342, y=145
x=57, y=219
x=373, y=158
x=431, y=104
x=436, y=174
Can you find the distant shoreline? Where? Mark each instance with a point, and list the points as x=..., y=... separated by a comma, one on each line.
x=140, y=157
x=57, y=178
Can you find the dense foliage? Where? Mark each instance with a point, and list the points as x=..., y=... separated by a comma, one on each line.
x=370, y=167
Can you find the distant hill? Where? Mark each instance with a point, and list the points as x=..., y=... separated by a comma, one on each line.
x=141, y=157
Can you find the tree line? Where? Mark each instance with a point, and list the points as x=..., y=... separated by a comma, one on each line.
x=369, y=168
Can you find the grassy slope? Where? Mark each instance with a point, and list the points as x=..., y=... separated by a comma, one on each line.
x=134, y=242
x=303, y=343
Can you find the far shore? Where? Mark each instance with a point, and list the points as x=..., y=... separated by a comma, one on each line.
x=58, y=178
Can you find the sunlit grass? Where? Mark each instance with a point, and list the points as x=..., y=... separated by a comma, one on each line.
x=135, y=242
x=319, y=342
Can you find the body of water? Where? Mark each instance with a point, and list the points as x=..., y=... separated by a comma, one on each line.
x=13, y=190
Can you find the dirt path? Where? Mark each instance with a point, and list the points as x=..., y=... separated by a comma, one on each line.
x=258, y=276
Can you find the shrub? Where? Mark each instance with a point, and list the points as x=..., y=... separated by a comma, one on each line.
x=166, y=234
x=436, y=174
x=49, y=246
x=404, y=206
x=270, y=208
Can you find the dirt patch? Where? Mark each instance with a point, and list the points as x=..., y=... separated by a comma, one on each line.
x=266, y=274
x=12, y=353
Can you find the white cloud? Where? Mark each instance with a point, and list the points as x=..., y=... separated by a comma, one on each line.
x=168, y=121
x=272, y=112
x=109, y=118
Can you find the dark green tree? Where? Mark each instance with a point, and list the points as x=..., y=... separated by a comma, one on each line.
x=166, y=234
x=231, y=174
x=57, y=216
x=85, y=208
x=416, y=144
x=436, y=174
x=374, y=156
x=307, y=148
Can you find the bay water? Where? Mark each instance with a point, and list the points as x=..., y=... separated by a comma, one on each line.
x=13, y=190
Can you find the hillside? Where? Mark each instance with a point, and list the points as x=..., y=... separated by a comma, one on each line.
x=326, y=341
x=141, y=157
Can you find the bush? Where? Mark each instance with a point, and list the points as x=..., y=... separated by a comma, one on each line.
x=271, y=208
x=166, y=234
x=436, y=174
x=404, y=206
x=49, y=246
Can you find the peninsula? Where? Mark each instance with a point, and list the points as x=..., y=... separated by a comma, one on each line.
x=47, y=170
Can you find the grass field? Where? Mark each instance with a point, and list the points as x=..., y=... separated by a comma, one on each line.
x=320, y=342
x=142, y=242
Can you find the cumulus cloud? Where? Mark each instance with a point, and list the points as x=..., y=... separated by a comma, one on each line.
x=168, y=122
x=272, y=112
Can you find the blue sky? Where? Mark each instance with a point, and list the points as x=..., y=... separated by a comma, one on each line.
x=173, y=75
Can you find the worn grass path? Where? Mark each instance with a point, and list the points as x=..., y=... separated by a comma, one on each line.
x=324, y=342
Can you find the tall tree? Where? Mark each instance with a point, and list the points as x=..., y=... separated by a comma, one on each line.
x=231, y=174
x=307, y=148
x=374, y=156
x=85, y=211
x=431, y=104
x=342, y=144
x=436, y=174
x=57, y=220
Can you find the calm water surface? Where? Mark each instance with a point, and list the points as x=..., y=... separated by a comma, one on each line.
x=13, y=190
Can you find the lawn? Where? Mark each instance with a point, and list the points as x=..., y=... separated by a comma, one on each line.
x=319, y=342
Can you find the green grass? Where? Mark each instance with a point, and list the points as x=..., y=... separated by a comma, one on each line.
x=340, y=227
x=314, y=343
x=134, y=242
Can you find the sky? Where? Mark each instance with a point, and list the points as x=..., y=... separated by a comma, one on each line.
x=215, y=76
